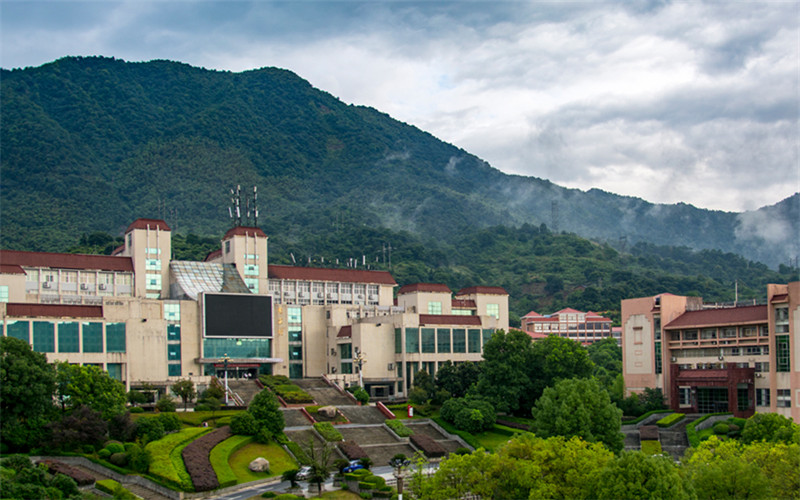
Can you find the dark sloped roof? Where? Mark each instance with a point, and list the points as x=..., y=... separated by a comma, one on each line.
x=244, y=231
x=720, y=317
x=66, y=260
x=323, y=274
x=489, y=290
x=449, y=319
x=53, y=311
x=148, y=224
x=11, y=269
x=345, y=332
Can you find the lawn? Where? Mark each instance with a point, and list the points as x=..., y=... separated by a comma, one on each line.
x=491, y=440
x=279, y=461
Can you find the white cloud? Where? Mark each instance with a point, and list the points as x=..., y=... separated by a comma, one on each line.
x=683, y=101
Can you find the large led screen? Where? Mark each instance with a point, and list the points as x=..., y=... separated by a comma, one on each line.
x=237, y=315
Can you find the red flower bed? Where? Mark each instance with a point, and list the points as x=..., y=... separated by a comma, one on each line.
x=429, y=447
x=196, y=459
x=352, y=450
x=79, y=476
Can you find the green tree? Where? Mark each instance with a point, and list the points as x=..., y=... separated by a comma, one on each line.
x=634, y=475
x=505, y=371
x=718, y=469
x=265, y=409
x=780, y=463
x=607, y=358
x=89, y=386
x=579, y=407
x=82, y=425
x=556, y=358
x=771, y=427
x=27, y=384
x=319, y=458
x=185, y=390
x=457, y=379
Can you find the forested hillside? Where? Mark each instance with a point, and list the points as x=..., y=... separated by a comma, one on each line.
x=88, y=144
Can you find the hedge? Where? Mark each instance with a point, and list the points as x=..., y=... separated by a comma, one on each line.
x=164, y=465
x=644, y=416
x=651, y=447
x=80, y=477
x=399, y=428
x=114, y=489
x=328, y=432
x=220, y=456
x=691, y=433
x=196, y=456
x=431, y=448
x=352, y=450
x=671, y=420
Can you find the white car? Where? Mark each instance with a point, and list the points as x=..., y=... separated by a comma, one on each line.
x=304, y=473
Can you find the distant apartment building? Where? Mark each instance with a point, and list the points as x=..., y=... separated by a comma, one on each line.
x=583, y=327
x=708, y=358
x=147, y=319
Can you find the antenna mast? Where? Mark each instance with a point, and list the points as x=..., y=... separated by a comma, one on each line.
x=235, y=210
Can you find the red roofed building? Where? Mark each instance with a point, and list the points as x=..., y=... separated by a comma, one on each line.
x=583, y=327
x=708, y=358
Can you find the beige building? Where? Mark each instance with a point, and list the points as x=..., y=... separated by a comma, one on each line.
x=709, y=358
x=147, y=319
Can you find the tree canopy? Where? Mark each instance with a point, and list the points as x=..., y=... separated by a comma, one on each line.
x=89, y=386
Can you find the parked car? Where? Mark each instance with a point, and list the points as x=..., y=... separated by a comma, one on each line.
x=354, y=465
x=304, y=473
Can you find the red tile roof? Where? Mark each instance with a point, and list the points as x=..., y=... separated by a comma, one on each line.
x=244, y=231
x=11, y=269
x=345, y=332
x=213, y=255
x=53, y=311
x=449, y=319
x=323, y=274
x=424, y=287
x=66, y=260
x=568, y=310
x=489, y=290
x=532, y=314
x=463, y=303
x=720, y=317
x=783, y=297
x=148, y=224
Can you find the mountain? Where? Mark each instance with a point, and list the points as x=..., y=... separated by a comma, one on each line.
x=88, y=144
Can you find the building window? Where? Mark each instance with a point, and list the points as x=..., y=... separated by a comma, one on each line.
x=493, y=310
x=174, y=370
x=173, y=333
x=252, y=284
x=44, y=339
x=657, y=360
x=153, y=281
x=459, y=340
x=398, y=341
x=784, y=398
x=173, y=352
x=251, y=269
x=690, y=335
x=295, y=315
x=443, y=340
x=412, y=340
x=92, y=337
x=152, y=265
x=152, y=251
x=227, y=247
x=3, y=293
x=474, y=341
x=172, y=311
x=487, y=336
x=782, y=320
x=19, y=330
x=114, y=371
x=295, y=352
x=762, y=366
x=742, y=398
x=428, y=340
x=347, y=368
x=656, y=327
x=346, y=351
x=295, y=333
x=782, y=353
x=434, y=308
x=115, y=337
x=296, y=370
x=637, y=334
x=69, y=337
x=762, y=397
x=685, y=396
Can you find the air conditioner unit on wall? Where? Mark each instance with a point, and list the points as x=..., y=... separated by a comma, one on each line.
x=390, y=367
x=46, y=284
x=102, y=286
x=84, y=286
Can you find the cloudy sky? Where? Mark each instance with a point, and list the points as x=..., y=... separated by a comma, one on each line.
x=668, y=101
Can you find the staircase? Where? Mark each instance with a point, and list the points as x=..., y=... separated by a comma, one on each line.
x=244, y=389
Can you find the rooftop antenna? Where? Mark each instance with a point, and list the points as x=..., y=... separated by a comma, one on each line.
x=235, y=211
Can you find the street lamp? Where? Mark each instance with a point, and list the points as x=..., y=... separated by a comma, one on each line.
x=360, y=359
x=398, y=462
x=225, y=361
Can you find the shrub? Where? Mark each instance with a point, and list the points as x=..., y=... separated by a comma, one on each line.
x=107, y=486
x=244, y=424
x=264, y=436
x=352, y=450
x=149, y=429
x=327, y=431
x=361, y=395
x=462, y=451
x=670, y=420
x=104, y=453
x=165, y=405
x=80, y=477
x=721, y=428
x=139, y=459
x=269, y=494
x=169, y=421
x=198, y=464
x=137, y=409
x=65, y=485
x=451, y=408
x=399, y=428
x=119, y=459
x=651, y=447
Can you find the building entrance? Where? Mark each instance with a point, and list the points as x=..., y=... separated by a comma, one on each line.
x=712, y=399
